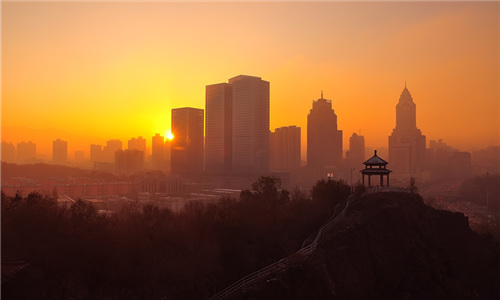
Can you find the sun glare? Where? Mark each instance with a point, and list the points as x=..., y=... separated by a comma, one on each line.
x=169, y=135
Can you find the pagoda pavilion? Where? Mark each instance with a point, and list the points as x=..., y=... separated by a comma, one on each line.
x=375, y=166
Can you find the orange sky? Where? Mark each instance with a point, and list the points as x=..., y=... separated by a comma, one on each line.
x=89, y=72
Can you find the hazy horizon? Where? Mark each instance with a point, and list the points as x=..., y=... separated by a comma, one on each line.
x=94, y=71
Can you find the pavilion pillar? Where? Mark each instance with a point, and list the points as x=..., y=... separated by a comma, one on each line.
x=382, y=180
x=369, y=180
x=387, y=179
x=363, y=175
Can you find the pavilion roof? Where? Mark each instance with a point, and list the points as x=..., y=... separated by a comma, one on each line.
x=375, y=160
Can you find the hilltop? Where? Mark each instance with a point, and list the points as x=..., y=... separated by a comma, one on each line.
x=393, y=246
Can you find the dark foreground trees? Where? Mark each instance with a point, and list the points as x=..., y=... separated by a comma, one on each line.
x=144, y=252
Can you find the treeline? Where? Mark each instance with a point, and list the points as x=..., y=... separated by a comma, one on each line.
x=144, y=252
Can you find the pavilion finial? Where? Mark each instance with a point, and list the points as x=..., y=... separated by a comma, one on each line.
x=405, y=84
x=321, y=94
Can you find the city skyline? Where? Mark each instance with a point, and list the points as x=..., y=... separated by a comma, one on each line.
x=81, y=78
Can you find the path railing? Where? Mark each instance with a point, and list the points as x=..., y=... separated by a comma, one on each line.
x=281, y=265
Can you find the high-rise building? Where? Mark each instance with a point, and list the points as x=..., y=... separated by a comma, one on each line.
x=356, y=154
x=250, y=122
x=324, y=140
x=158, y=152
x=108, y=151
x=137, y=144
x=26, y=152
x=8, y=152
x=406, y=143
x=95, y=153
x=129, y=161
x=187, y=144
x=218, y=131
x=59, y=152
x=285, y=148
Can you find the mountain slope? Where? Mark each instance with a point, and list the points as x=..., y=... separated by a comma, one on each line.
x=393, y=246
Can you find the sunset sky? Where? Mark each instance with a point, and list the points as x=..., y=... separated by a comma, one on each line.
x=88, y=72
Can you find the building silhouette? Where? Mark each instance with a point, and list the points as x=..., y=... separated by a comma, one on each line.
x=108, y=151
x=158, y=152
x=26, y=152
x=187, y=144
x=250, y=121
x=355, y=156
x=129, y=161
x=138, y=144
x=95, y=153
x=237, y=126
x=285, y=148
x=8, y=152
x=59, y=152
x=406, y=143
x=218, y=131
x=324, y=140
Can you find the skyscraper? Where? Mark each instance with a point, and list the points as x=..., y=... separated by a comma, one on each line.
x=324, y=141
x=356, y=154
x=129, y=161
x=406, y=143
x=95, y=153
x=8, y=152
x=158, y=152
x=108, y=151
x=187, y=145
x=26, y=152
x=285, y=148
x=59, y=152
x=218, y=131
x=250, y=122
x=137, y=144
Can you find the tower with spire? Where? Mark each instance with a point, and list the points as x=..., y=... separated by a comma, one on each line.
x=406, y=143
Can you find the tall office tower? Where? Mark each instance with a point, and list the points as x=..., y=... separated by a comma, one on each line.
x=95, y=153
x=285, y=148
x=26, y=152
x=218, y=131
x=59, y=152
x=8, y=152
x=187, y=145
x=406, y=143
x=108, y=151
x=158, y=152
x=250, y=122
x=356, y=154
x=137, y=144
x=129, y=161
x=324, y=141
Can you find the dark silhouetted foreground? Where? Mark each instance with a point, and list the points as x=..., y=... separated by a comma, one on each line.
x=147, y=252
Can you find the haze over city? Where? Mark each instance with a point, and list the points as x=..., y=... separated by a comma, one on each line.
x=91, y=72
x=250, y=150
